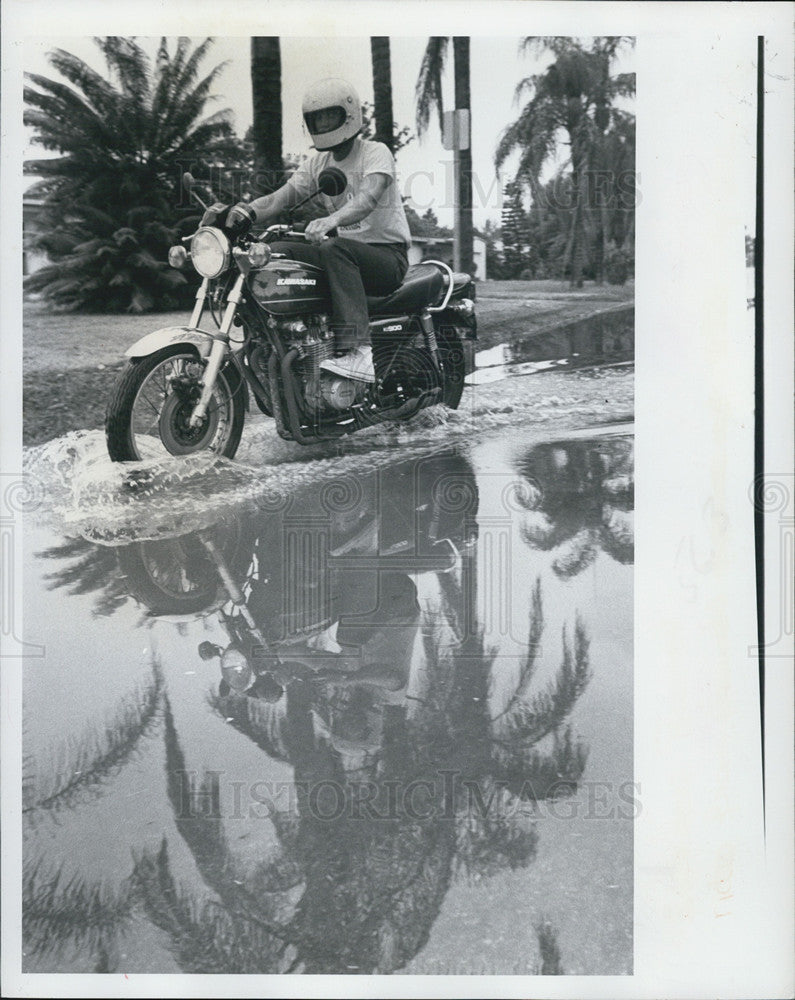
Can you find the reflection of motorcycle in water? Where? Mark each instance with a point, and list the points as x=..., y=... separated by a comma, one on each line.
x=323, y=588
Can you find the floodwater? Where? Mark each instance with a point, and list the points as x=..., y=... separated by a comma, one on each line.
x=608, y=337
x=375, y=718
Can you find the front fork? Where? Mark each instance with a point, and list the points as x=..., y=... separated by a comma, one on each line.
x=220, y=346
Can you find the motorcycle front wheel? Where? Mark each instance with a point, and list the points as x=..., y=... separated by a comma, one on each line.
x=178, y=576
x=148, y=414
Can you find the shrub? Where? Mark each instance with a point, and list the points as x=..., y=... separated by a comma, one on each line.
x=618, y=265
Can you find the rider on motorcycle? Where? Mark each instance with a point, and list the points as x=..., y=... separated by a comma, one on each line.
x=369, y=257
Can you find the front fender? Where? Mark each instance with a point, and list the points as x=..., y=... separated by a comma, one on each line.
x=170, y=335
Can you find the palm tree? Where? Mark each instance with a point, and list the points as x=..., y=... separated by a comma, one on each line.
x=266, y=87
x=429, y=96
x=382, y=91
x=112, y=193
x=574, y=95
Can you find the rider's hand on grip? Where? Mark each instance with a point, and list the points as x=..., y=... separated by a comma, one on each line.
x=213, y=216
x=241, y=218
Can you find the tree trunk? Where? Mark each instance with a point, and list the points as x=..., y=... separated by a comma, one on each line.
x=382, y=92
x=463, y=210
x=600, y=195
x=266, y=87
x=577, y=237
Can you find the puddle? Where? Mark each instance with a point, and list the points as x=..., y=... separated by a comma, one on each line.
x=433, y=732
x=607, y=337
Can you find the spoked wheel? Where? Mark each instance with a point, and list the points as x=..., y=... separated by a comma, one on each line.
x=179, y=575
x=406, y=375
x=148, y=415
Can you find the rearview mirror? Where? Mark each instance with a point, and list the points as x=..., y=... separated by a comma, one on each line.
x=332, y=181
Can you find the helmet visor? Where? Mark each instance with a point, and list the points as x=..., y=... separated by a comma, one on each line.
x=325, y=120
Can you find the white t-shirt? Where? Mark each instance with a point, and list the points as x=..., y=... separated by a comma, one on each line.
x=387, y=221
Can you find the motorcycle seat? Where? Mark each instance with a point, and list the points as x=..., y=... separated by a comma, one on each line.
x=422, y=286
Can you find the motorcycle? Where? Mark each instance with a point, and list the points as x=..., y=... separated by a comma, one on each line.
x=186, y=388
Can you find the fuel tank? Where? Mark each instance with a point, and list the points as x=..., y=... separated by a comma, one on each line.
x=287, y=287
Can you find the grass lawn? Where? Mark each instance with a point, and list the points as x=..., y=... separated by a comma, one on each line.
x=512, y=310
x=70, y=360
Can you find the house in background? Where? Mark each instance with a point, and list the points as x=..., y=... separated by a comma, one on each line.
x=441, y=248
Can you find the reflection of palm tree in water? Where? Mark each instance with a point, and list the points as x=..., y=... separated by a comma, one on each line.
x=93, y=569
x=359, y=877
x=60, y=909
x=580, y=501
x=374, y=871
x=371, y=888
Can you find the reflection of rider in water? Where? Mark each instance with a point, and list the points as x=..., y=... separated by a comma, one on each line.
x=331, y=603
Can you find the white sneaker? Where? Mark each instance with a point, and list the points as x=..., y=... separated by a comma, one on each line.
x=356, y=364
x=326, y=641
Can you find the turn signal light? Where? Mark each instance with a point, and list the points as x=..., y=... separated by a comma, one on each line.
x=465, y=307
x=259, y=254
x=177, y=256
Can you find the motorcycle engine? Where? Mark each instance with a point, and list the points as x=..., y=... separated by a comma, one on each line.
x=338, y=393
x=322, y=390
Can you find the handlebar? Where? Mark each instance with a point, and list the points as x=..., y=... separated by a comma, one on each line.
x=284, y=232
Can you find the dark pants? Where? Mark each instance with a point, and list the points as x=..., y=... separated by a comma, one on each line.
x=355, y=270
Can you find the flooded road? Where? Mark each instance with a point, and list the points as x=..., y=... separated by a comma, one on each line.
x=606, y=337
x=376, y=717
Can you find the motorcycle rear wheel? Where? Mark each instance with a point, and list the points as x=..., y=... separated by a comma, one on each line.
x=147, y=416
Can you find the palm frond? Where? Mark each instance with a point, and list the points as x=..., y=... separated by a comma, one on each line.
x=82, y=765
x=491, y=835
x=203, y=937
x=536, y=776
x=528, y=668
x=428, y=89
x=129, y=62
x=60, y=910
x=531, y=719
x=97, y=90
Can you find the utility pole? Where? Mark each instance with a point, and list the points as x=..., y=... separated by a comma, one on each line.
x=455, y=136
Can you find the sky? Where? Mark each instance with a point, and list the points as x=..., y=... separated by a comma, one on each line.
x=424, y=167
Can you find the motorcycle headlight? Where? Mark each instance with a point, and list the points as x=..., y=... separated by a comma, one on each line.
x=210, y=252
x=236, y=669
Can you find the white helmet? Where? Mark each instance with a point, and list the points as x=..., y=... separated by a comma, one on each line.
x=335, y=96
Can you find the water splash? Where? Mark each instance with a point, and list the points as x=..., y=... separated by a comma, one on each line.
x=107, y=502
